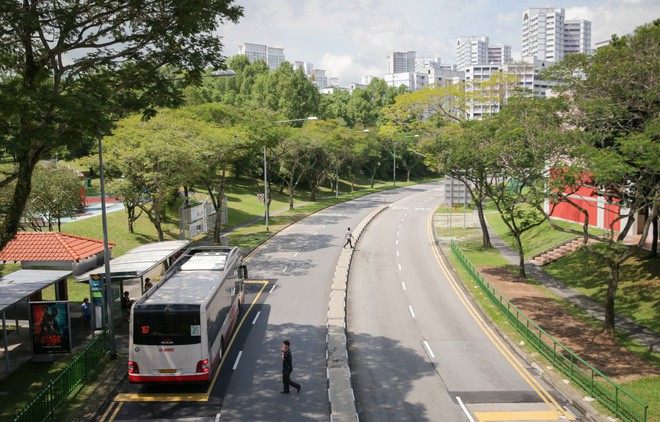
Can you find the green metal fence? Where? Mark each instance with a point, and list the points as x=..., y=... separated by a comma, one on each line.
x=623, y=404
x=43, y=406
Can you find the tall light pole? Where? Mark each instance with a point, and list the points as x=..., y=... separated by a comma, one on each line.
x=266, y=186
x=266, y=163
x=106, y=258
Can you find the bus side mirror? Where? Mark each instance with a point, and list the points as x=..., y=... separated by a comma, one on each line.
x=243, y=272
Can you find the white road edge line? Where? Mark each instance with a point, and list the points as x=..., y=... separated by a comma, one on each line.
x=411, y=311
x=403, y=285
x=271, y=289
x=284, y=270
x=238, y=359
x=458, y=399
x=399, y=267
x=397, y=242
x=397, y=253
x=428, y=349
x=306, y=243
x=254, y=321
x=217, y=416
x=296, y=254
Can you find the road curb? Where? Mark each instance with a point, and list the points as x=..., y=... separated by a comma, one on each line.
x=340, y=390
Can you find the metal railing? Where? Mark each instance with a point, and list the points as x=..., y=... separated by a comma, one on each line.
x=623, y=404
x=43, y=406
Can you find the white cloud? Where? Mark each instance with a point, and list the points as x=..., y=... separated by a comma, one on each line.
x=352, y=38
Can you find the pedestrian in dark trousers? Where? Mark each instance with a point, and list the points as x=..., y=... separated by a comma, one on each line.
x=349, y=238
x=287, y=368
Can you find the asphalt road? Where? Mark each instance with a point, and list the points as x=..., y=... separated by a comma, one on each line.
x=418, y=349
x=287, y=299
x=415, y=346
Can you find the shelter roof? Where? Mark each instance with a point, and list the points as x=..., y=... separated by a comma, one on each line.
x=140, y=260
x=18, y=285
x=50, y=246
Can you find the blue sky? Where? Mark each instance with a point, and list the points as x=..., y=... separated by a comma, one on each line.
x=352, y=38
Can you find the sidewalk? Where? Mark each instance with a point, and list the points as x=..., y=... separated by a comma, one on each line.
x=637, y=332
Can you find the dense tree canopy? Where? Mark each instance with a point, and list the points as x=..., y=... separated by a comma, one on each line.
x=68, y=69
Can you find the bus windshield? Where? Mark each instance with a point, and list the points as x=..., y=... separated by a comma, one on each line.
x=168, y=326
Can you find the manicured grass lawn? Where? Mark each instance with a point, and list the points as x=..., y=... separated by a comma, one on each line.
x=638, y=295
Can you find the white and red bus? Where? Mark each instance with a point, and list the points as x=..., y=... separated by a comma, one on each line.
x=180, y=327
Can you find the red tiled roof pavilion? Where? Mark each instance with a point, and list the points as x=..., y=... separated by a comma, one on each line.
x=50, y=246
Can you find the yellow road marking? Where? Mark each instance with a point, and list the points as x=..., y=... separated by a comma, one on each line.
x=516, y=416
x=114, y=414
x=497, y=342
x=194, y=397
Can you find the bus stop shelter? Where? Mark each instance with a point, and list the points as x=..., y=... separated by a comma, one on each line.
x=19, y=286
x=137, y=263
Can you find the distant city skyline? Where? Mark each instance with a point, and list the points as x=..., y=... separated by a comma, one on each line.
x=352, y=39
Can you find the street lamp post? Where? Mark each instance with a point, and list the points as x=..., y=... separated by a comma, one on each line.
x=106, y=258
x=266, y=185
x=266, y=163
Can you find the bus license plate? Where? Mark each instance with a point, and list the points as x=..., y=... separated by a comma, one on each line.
x=167, y=371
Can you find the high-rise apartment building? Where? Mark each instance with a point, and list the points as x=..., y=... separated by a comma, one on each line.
x=476, y=50
x=470, y=51
x=547, y=36
x=273, y=57
x=499, y=54
x=577, y=37
x=400, y=61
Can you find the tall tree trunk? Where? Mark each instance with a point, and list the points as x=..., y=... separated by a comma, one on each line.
x=485, y=236
x=12, y=219
x=654, y=241
x=373, y=176
x=613, y=285
x=291, y=192
x=521, y=256
x=217, y=229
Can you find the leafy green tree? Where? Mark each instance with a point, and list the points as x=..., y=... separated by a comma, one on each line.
x=130, y=196
x=365, y=105
x=529, y=140
x=286, y=91
x=56, y=193
x=335, y=106
x=289, y=157
x=464, y=151
x=369, y=152
x=614, y=94
x=68, y=69
x=154, y=157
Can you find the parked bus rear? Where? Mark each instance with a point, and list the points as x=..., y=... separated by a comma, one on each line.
x=178, y=330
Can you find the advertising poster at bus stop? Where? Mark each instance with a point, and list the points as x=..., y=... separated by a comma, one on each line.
x=51, y=327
